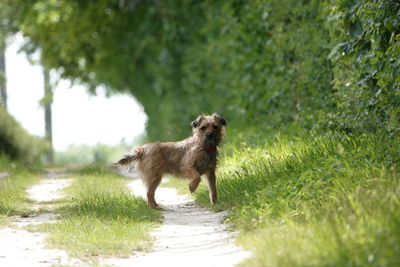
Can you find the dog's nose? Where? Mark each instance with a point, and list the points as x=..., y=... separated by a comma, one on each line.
x=209, y=135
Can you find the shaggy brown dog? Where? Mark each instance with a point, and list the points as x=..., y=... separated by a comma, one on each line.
x=191, y=158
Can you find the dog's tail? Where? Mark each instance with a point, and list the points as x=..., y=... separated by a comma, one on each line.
x=135, y=155
x=127, y=159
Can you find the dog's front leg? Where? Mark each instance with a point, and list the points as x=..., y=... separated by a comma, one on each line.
x=212, y=186
x=195, y=178
x=194, y=184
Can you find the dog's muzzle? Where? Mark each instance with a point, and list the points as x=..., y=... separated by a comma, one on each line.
x=209, y=135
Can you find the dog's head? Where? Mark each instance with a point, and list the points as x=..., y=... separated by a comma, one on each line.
x=209, y=129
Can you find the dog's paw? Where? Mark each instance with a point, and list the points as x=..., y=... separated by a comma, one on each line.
x=192, y=188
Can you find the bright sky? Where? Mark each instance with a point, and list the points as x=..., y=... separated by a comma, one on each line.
x=78, y=118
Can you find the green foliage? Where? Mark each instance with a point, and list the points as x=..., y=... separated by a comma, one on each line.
x=17, y=144
x=185, y=58
x=318, y=63
x=366, y=39
x=255, y=62
x=304, y=199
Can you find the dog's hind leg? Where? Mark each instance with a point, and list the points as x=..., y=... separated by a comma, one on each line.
x=151, y=190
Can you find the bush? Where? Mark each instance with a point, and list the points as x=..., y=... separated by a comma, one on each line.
x=17, y=144
x=366, y=45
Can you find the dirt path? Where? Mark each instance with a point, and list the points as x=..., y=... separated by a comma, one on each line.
x=19, y=247
x=189, y=235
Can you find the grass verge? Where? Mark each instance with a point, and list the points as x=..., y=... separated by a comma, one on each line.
x=12, y=189
x=314, y=200
x=101, y=218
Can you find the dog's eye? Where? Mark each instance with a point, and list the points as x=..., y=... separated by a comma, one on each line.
x=215, y=127
x=203, y=128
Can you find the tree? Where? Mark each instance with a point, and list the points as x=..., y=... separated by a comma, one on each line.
x=47, y=101
x=128, y=46
x=3, y=88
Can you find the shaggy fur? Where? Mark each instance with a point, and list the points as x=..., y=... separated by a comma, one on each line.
x=191, y=158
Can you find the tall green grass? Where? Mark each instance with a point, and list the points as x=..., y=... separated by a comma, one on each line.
x=101, y=217
x=314, y=200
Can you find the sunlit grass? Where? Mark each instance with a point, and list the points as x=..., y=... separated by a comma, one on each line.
x=101, y=218
x=314, y=200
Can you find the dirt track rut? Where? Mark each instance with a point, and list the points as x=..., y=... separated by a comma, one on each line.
x=189, y=236
x=19, y=247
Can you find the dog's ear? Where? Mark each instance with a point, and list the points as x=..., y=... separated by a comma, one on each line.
x=218, y=117
x=197, y=121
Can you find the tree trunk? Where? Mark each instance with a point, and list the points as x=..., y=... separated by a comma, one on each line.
x=48, y=99
x=3, y=89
